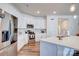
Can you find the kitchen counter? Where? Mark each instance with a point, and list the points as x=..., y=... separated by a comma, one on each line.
x=71, y=42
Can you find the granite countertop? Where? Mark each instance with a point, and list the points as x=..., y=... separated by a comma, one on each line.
x=72, y=41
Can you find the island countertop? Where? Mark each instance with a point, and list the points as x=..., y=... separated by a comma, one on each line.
x=72, y=41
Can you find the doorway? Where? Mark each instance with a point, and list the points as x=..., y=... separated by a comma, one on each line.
x=15, y=30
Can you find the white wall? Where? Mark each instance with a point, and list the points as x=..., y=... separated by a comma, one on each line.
x=5, y=22
x=52, y=25
x=74, y=26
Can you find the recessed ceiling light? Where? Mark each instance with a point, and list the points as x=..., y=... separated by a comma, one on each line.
x=72, y=8
x=75, y=16
x=54, y=12
x=38, y=12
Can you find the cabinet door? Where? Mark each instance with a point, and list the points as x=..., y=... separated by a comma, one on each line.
x=48, y=49
x=52, y=26
x=60, y=50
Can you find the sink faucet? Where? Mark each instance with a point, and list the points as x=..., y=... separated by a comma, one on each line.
x=60, y=37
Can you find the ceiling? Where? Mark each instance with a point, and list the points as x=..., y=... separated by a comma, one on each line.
x=46, y=8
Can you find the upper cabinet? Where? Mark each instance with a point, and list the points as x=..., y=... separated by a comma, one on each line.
x=52, y=24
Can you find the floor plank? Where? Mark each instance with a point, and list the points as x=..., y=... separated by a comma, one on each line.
x=30, y=50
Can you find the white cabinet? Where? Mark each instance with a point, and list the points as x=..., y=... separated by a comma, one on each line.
x=48, y=49
x=52, y=26
x=51, y=49
x=39, y=36
x=22, y=38
x=60, y=50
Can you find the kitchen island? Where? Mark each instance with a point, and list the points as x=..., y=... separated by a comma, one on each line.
x=52, y=46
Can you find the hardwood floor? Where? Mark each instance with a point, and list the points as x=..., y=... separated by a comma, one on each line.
x=10, y=50
x=32, y=49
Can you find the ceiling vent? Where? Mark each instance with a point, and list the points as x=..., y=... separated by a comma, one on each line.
x=52, y=19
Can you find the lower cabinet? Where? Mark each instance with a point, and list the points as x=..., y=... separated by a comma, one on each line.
x=50, y=49
x=60, y=50
x=47, y=49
